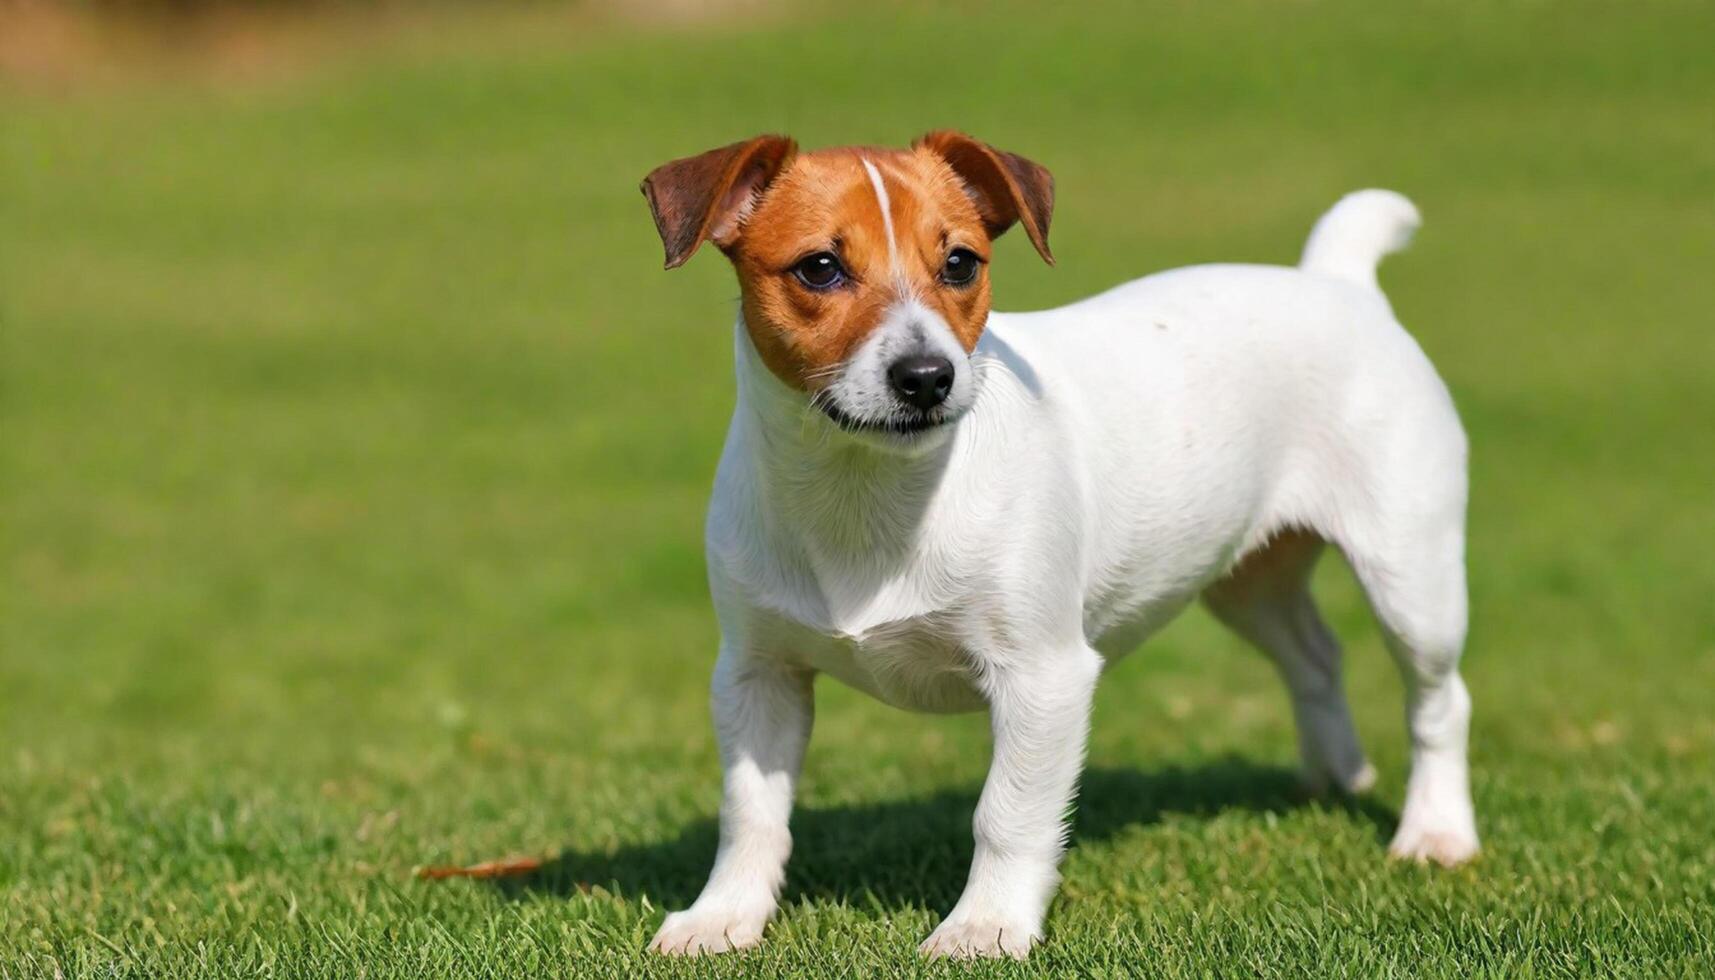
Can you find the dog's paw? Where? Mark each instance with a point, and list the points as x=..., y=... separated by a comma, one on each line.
x=1320, y=783
x=698, y=932
x=969, y=938
x=1423, y=842
x=1438, y=823
x=1359, y=780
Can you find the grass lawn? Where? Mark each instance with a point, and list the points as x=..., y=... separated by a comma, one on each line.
x=353, y=449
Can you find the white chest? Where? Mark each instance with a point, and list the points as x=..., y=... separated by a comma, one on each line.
x=916, y=664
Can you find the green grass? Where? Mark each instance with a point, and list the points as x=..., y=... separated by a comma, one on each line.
x=353, y=448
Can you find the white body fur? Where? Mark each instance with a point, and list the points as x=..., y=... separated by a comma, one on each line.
x=1119, y=455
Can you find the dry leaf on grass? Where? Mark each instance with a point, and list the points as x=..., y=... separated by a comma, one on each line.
x=503, y=868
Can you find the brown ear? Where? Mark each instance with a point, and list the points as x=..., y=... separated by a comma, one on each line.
x=705, y=197
x=1005, y=186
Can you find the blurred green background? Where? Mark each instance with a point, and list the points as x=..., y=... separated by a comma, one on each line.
x=353, y=447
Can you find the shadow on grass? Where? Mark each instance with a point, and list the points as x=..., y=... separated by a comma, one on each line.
x=915, y=852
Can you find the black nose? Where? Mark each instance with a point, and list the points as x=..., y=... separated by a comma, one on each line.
x=923, y=380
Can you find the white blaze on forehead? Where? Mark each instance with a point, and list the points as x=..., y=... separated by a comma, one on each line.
x=886, y=212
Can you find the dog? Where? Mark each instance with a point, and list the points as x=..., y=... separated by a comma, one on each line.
x=953, y=509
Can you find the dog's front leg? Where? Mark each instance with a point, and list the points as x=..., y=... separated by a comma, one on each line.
x=762, y=711
x=1040, y=714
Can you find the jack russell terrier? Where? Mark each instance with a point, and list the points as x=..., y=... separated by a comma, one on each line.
x=953, y=509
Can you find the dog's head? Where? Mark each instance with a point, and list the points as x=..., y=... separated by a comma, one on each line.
x=864, y=272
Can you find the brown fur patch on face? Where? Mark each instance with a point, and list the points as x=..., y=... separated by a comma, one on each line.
x=826, y=202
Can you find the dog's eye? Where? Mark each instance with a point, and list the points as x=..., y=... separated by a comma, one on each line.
x=960, y=268
x=820, y=271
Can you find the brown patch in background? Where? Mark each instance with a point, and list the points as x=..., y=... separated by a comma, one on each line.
x=59, y=46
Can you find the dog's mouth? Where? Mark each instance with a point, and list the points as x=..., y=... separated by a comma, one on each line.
x=907, y=423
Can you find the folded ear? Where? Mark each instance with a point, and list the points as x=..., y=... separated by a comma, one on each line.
x=705, y=197
x=1005, y=186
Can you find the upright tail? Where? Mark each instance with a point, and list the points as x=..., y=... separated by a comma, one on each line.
x=1350, y=240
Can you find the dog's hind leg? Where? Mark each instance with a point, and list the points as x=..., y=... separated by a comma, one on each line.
x=1405, y=539
x=1414, y=574
x=1266, y=599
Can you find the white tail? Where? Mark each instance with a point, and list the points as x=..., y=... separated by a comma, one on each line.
x=1350, y=240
